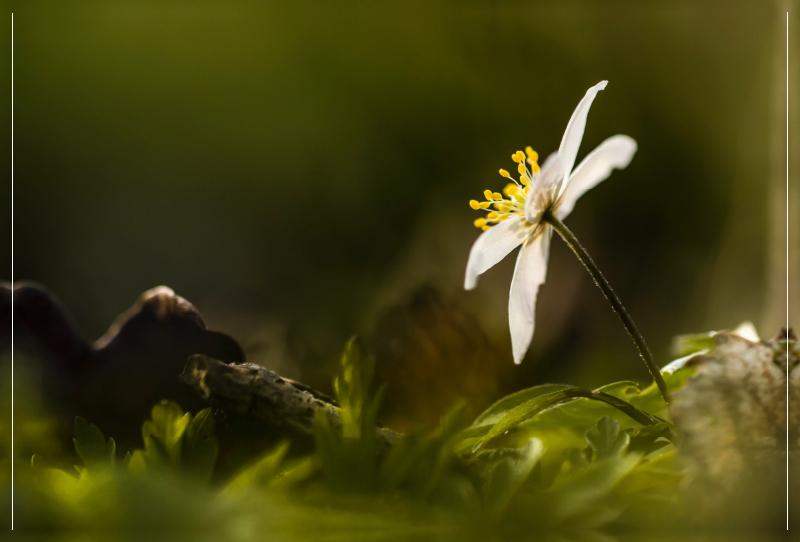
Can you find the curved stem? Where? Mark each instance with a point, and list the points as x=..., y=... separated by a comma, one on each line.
x=616, y=304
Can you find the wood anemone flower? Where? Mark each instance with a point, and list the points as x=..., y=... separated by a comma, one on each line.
x=518, y=218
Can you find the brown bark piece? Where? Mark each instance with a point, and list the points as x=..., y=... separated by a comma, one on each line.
x=256, y=392
x=732, y=418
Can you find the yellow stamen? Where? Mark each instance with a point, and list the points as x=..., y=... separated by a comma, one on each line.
x=535, y=168
x=503, y=205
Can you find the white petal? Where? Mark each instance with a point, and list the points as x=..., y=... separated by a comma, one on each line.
x=680, y=363
x=546, y=186
x=550, y=170
x=493, y=245
x=573, y=135
x=616, y=152
x=529, y=274
x=747, y=330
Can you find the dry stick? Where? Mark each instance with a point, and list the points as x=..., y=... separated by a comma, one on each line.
x=256, y=392
x=616, y=304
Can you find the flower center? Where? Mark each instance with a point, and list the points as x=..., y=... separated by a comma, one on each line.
x=516, y=192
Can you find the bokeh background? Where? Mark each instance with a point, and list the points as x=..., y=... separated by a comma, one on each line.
x=300, y=171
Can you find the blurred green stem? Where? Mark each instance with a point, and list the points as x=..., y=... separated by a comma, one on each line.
x=616, y=304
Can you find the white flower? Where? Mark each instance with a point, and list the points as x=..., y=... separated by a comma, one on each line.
x=517, y=220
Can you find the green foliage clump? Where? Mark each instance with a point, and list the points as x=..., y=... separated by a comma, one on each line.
x=182, y=442
x=348, y=453
x=545, y=457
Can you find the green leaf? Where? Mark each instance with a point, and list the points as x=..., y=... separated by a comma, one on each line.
x=111, y=449
x=579, y=492
x=353, y=390
x=91, y=446
x=646, y=440
x=622, y=390
x=606, y=439
x=640, y=415
x=539, y=404
x=576, y=459
x=199, y=447
x=260, y=473
x=137, y=464
x=167, y=424
x=329, y=449
x=438, y=449
x=156, y=452
x=179, y=441
x=524, y=411
x=418, y=464
x=405, y=454
x=299, y=472
x=348, y=454
x=497, y=411
x=469, y=437
x=650, y=399
x=509, y=473
x=685, y=345
x=662, y=472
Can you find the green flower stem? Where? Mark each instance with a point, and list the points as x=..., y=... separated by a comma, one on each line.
x=616, y=304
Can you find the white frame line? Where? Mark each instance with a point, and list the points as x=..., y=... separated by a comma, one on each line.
x=787, y=265
x=12, y=271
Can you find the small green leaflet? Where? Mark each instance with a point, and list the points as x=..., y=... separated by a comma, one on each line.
x=92, y=447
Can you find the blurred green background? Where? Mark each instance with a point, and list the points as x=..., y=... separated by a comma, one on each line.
x=300, y=171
